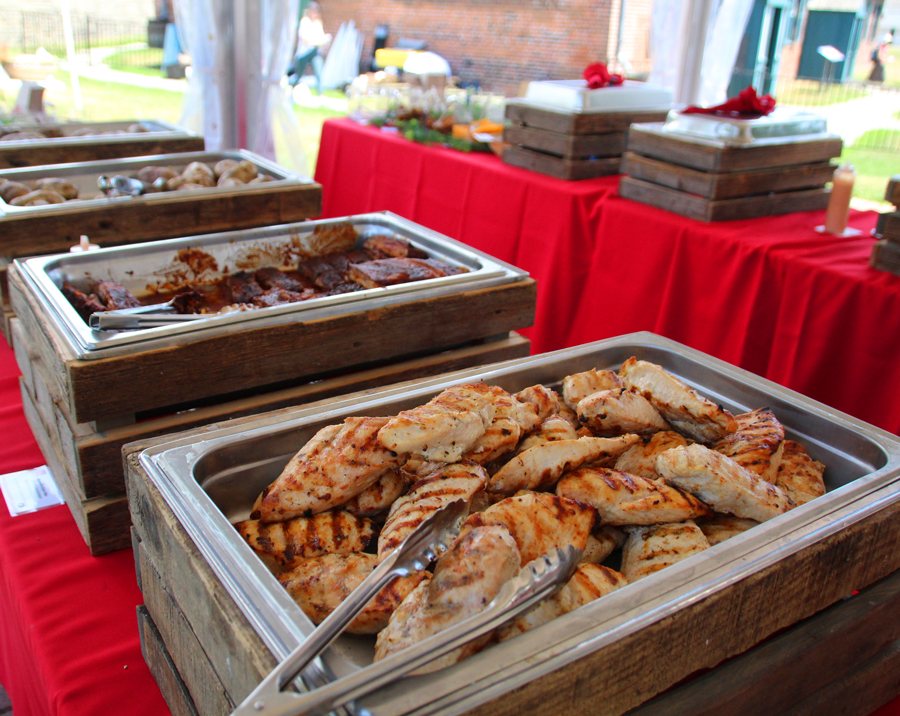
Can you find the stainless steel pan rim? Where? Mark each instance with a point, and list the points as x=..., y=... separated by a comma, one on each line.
x=157, y=129
x=505, y=666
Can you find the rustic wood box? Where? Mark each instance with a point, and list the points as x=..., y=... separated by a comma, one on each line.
x=207, y=657
x=714, y=181
x=568, y=144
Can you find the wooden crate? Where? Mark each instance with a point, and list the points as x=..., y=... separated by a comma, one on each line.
x=888, y=226
x=560, y=167
x=6, y=310
x=886, y=256
x=55, y=152
x=892, y=194
x=849, y=646
x=575, y=122
x=570, y=146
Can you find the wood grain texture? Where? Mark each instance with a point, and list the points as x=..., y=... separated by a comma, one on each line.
x=571, y=122
x=570, y=146
x=126, y=222
x=648, y=141
x=173, y=689
x=206, y=692
x=798, y=666
x=888, y=226
x=727, y=186
x=236, y=654
x=560, y=167
x=103, y=521
x=53, y=153
x=885, y=256
x=702, y=209
x=892, y=193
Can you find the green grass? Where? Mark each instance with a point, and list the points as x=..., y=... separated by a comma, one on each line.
x=146, y=61
x=809, y=93
x=873, y=168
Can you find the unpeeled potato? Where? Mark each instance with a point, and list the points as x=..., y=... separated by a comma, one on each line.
x=223, y=166
x=149, y=175
x=36, y=198
x=199, y=173
x=62, y=187
x=9, y=190
x=244, y=170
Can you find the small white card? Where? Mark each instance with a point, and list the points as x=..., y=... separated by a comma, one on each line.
x=30, y=491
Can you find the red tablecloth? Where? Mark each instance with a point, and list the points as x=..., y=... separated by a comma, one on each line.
x=69, y=641
x=770, y=295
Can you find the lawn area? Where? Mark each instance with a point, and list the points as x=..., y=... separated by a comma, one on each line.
x=873, y=168
x=143, y=61
x=809, y=93
x=891, y=69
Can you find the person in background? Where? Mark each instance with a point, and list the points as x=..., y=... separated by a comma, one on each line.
x=312, y=40
x=879, y=57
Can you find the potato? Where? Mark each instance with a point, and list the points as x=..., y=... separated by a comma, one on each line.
x=191, y=187
x=21, y=135
x=43, y=196
x=9, y=190
x=84, y=132
x=231, y=181
x=199, y=173
x=244, y=170
x=261, y=178
x=151, y=174
x=223, y=166
x=136, y=129
x=175, y=182
x=61, y=186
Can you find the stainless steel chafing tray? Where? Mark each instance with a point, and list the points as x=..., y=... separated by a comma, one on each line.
x=141, y=265
x=107, y=131
x=212, y=482
x=84, y=176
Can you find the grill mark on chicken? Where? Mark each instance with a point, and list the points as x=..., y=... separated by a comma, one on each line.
x=378, y=497
x=755, y=441
x=719, y=527
x=613, y=412
x=578, y=386
x=640, y=458
x=801, y=477
x=654, y=547
x=512, y=419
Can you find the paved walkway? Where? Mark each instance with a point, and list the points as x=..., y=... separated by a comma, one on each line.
x=102, y=73
x=854, y=118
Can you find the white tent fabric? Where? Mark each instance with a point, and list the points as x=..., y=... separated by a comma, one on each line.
x=694, y=44
x=342, y=63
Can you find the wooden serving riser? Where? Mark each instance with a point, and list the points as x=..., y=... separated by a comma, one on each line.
x=39, y=154
x=111, y=389
x=575, y=122
x=886, y=256
x=121, y=222
x=560, y=167
x=569, y=146
x=888, y=226
x=850, y=649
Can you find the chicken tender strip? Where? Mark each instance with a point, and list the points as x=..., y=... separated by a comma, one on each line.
x=719, y=527
x=613, y=412
x=465, y=580
x=801, y=477
x=754, y=442
x=544, y=402
x=685, y=409
x=601, y=544
x=640, y=458
x=445, y=427
x=319, y=585
x=459, y=481
x=721, y=483
x=336, y=465
x=283, y=545
x=578, y=386
x=623, y=499
x=512, y=420
x=553, y=428
x=590, y=582
x=538, y=522
x=655, y=547
x=378, y=497
x=541, y=467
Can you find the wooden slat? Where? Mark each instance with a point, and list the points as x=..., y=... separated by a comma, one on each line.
x=177, y=697
x=892, y=194
x=181, y=643
x=726, y=186
x=697, y=207
x=888, y=226
x=560, y=167
x=51, y=153
x=570, y=146
x=648, y=140
x=123, y=222
x=798, y=667
x=885, y=256
x=571, y=122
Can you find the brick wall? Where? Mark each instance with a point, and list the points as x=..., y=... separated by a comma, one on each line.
x=503, y=43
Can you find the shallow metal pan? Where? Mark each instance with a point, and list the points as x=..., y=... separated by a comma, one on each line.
x=138, y=265
x=155, y=129
x=213, y=482
x=84, y=176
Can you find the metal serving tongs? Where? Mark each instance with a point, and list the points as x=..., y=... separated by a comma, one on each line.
x=536, y=581
x=156, y=314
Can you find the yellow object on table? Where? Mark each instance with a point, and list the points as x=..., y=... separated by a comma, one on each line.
x=392, y=57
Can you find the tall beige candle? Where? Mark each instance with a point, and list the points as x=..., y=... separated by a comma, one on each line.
x=839, y=203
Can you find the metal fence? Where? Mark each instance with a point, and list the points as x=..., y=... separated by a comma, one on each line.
x=119, y=44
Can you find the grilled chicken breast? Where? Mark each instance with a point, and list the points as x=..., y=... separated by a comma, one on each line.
x=544, y=402
x=801, y=477
x=578, y=386
x=655, y=547
x=283, y=545
x=719, y=527
x=538, y=522
x=319, y=585
x=553, y=428
x=683, y=407
x=601, y=544
x=336, y=465
x=448, y=483
x=590, y=582
x=754, y=442
x=512, y=420
x=623, y=499
x=445, y=427
x=465, y=580
x=378, y=497
x=640, y=458
x=721, y=483
x=541, y=467
x=614, y=412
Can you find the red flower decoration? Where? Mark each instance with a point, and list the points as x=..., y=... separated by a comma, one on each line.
x=598, y=76
x=747, y=105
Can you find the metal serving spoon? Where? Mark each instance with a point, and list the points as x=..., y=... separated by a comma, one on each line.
x=537, y=580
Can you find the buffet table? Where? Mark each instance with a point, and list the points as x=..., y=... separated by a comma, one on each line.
x=770, y=295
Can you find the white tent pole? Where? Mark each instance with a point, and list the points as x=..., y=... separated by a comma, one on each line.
x=700, y=18
x=70, y=53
